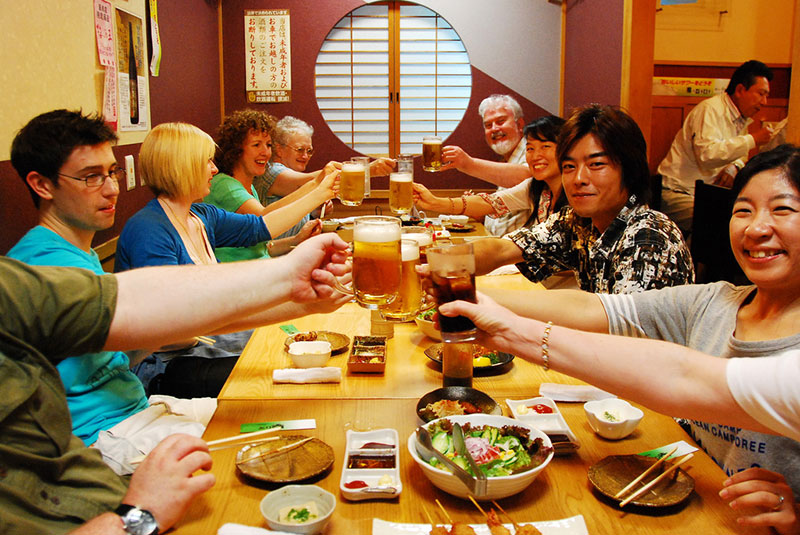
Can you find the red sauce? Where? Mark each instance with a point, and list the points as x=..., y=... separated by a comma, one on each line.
x=376, y=446
x=357, y=484
x=541, y=408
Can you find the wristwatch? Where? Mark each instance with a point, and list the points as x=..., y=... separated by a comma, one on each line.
x=137, y=521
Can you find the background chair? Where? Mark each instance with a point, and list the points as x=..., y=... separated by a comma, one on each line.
x=710, y=237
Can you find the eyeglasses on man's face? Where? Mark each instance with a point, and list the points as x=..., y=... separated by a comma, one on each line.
x=96, y=180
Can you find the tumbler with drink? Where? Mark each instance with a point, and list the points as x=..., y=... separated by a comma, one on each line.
x=452, y=271
x=409, y=299
x=401, y=199
x=432, y=153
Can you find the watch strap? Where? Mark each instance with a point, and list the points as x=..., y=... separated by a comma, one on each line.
x=139, y=529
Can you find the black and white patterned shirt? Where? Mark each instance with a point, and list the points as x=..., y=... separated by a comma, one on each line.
x=642, y=249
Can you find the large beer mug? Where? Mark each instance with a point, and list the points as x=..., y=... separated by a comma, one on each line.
x=377, y=261
x=352, y=180
x=452, y=269
x=424, y=238
x=405, y=163
x=364, y=160
x=432, y=153
x=409, y=299
x=401, y=199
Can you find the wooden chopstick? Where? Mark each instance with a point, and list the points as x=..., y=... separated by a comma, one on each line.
x=646, y=472
x=239, y=444
x=243, y=436
x=206, y=340
x=654, y=482
x=291, y=446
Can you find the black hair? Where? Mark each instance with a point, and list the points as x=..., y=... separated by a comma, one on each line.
x=621, y=139
x=46, y=142
x=785, y=158
x=746, y=74
x=544, y=129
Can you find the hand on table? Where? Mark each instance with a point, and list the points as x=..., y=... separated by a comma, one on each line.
x=164, y=483
x=766, y=497
x=315, y=264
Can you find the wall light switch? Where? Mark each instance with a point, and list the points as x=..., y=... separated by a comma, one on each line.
x=129, y=170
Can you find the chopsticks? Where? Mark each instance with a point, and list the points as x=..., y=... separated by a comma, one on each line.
x=646, y=472
x=291, y=446
x=206, y=340
x=237, y=444
x=655, y=481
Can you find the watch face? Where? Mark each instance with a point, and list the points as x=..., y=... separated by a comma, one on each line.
x=139, y=522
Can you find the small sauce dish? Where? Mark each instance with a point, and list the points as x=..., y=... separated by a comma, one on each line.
x=310, y=354
x=612, y=418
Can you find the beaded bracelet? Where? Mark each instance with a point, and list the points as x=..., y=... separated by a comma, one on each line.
x=452, y=205
x=546, y=346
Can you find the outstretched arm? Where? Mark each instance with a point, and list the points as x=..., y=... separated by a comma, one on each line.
x=498, y=173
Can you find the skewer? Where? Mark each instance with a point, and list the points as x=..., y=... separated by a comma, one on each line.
x=206, y=340
x=291, y=446
x=427, y=515
x=477, y=505
x=654, y=482
x=446, y=515
x=513, y=523
x=322, y=211
x=644, y=474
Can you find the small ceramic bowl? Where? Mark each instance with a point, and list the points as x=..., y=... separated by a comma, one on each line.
x=298, y=495
x=428, y=329
x=310, y=354
x=459, y=220
x=612, y=418
x=330, y=225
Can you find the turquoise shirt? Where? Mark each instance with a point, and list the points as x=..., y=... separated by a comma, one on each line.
x=101, y=389
x=229, y=194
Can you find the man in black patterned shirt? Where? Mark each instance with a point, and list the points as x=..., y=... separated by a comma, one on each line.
x=608, y=236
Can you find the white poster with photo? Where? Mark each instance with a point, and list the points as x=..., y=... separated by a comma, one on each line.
x=131, y=74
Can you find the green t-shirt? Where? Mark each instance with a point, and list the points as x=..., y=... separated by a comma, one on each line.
x=229, y=194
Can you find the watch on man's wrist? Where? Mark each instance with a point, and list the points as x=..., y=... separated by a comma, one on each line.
x=137, y=521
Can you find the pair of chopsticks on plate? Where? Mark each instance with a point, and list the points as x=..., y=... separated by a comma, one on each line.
x=270, y=453
x=232, y=441
x=206, y=340
x=653, y=482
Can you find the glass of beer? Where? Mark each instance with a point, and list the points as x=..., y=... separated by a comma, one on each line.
x=400, y=199
x=377, y=260
x=452, y=269
x=424, y=238
x=351, y=183
x=405, y=163
x=432, y=153
x=364, y=160
x=409, y=299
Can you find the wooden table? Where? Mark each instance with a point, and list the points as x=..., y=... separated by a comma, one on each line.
x=366, y=401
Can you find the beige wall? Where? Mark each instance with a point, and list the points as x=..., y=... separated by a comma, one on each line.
x=49, y=61
x=753, y=29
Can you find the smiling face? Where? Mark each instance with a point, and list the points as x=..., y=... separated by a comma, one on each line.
x=593, y=183
x=765, y=230
x=501, y=130
x=296, y=153
x=256, y=152
x=80, y=207
x=541, y=158
x=749, y=101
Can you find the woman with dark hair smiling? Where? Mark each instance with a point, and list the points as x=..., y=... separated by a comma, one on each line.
x=607, y=235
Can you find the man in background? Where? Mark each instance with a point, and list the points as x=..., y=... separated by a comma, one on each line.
x=502, y=127
x=713, y=143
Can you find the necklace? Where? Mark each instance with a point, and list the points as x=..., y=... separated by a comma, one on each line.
x=200, y=255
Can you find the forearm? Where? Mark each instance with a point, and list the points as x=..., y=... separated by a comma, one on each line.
x=276, y=314
x=575, y=309
x=289, y=181
x=105, y=524
x=498, y=173
x=282, y=219
x=156, y=306
x=491, y=253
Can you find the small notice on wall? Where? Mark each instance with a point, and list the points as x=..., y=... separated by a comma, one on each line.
x=688, y=87
x=268, y=56
x=133, y=98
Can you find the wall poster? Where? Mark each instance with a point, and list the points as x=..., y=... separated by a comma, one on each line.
x=133, y=98
x=268, y=57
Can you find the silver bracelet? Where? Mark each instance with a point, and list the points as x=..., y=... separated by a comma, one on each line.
x=546, y=346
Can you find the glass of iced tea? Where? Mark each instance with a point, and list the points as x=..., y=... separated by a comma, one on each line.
x=409, y=298
x=352, y=180
x=452, y=270
x=401, y=199
x=432, y=153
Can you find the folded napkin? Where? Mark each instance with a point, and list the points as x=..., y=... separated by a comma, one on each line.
x=240, y=529
x=558, y=392
x=308, y=375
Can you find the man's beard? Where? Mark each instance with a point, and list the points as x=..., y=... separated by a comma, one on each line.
x=503, y=146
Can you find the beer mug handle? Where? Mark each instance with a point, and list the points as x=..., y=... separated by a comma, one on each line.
x=342, y=288
x=378, y=210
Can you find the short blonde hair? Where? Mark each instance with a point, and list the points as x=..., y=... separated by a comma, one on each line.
x=174, y=158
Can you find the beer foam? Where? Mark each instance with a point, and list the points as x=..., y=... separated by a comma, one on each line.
x=376, y=233
x=409, y=251
x=431, y=141
x=401, y=177
x=423, y=239
x=349, y=167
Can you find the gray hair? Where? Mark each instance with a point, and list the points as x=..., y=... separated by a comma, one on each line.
x=289, y=126
x=496, y=101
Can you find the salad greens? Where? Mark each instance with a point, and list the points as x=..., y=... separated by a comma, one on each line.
x=498, y=451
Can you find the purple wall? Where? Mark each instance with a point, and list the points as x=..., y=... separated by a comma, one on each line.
x=593, y=52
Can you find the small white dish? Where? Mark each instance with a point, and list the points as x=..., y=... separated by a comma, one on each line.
x=330, y=225
x=428, y=329
x=612, y=418
x=310, y=354
x=552, y=423
x=298, y=495
x=380, y=483
x=459, y=220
